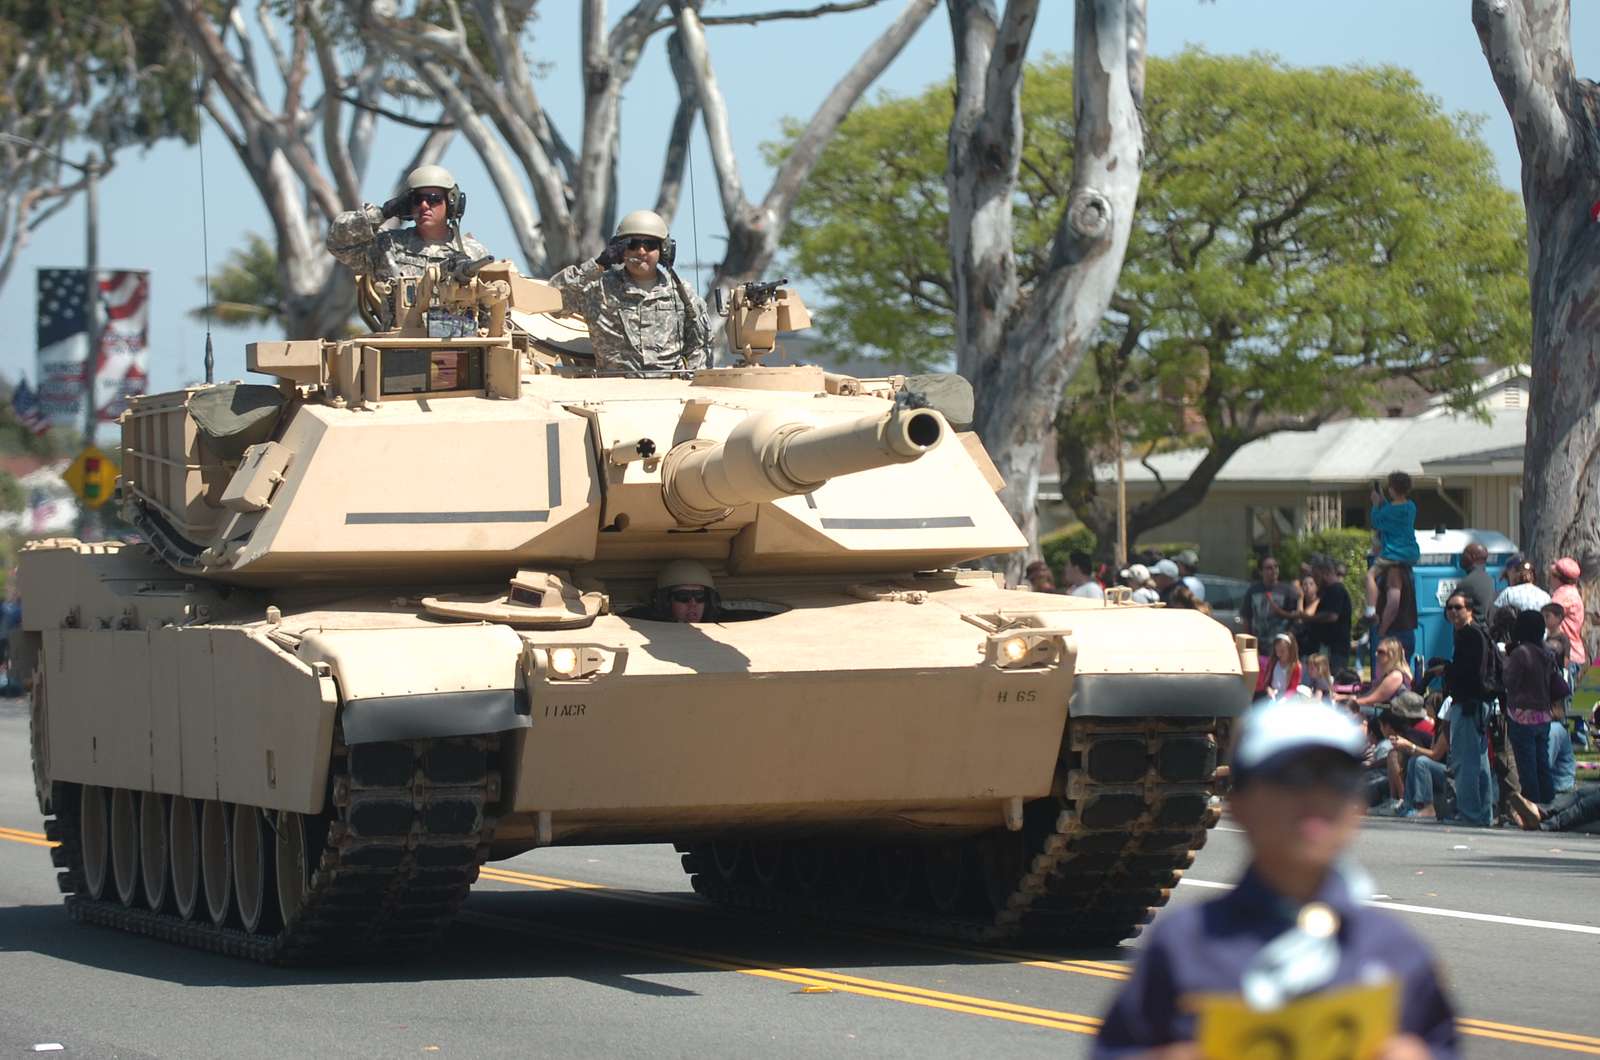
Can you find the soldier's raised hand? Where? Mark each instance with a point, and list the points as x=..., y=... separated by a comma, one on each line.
x=612, y=255
x=399, y=206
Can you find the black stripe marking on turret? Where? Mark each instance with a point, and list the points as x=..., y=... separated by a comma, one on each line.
x=552, y=452
x=392, y=518
x=932, y=522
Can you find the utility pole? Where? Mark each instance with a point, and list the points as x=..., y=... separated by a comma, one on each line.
x=91, y=295
x=91, y=318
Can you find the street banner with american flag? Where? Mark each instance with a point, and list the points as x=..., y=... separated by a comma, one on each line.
x=63, y=342
x=25, y=406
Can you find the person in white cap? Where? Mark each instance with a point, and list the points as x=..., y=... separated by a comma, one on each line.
x=1292, y=950
x=1188, y=562
x=1137, y=577
x=1165, y=576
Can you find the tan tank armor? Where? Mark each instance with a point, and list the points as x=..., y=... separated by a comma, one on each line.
x=396, y=613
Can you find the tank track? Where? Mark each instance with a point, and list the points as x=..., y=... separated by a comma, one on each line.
x=1131, y=806
x=409, y=827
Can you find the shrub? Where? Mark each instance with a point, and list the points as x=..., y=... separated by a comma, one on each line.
x=1346, y=545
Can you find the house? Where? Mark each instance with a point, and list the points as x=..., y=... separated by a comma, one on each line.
x=1467, y=472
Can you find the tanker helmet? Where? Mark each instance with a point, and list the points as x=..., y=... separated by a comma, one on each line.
x=684, y=572
x=643, y=223
x=432, y=176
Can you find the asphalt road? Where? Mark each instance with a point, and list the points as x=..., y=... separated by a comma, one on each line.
x=606, y=952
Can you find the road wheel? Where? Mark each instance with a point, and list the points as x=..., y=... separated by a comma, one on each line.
x=94, y=834
x=183, y=845
x=216, y=861
x=154, y=864
x=766, y=864
x=125, y=845
x=292, y=865
x=252, y=868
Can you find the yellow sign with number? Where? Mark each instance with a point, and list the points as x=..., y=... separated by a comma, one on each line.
x=1348, y=1023
x=92, y=477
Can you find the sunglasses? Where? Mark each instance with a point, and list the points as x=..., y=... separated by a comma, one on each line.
x=688, y=596
x=644, y=244
x=432, y=198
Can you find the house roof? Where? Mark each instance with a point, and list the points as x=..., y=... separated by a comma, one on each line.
x=1349, y=452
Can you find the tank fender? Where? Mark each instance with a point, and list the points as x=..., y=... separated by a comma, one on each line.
x=1155, y=662
x=412, y=684
x=1170, y=695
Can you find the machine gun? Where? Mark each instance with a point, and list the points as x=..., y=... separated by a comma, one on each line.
x=756, y=313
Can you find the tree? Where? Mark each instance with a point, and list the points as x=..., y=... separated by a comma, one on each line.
x=333, y=90
x=1528, y=44
x=561, y=198
x=1020, y=349
x=1305, y=240
x=79, y=75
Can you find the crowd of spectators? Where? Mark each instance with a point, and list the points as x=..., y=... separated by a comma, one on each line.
x=1484, y=736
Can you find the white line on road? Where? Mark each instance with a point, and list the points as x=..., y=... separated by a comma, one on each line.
x=1455, y=914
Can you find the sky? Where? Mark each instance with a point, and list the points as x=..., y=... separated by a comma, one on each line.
x=150, y=216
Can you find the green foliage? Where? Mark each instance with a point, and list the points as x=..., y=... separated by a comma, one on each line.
x=116, y=74
x=1347, y=546
x=1057, y=545
x=246, y=290
x=1306, y=240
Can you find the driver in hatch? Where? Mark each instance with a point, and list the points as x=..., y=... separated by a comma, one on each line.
x=685, y=592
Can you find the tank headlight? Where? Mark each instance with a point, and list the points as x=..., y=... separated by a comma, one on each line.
x=1013, y=651
x=564, y=662
x=573, y=662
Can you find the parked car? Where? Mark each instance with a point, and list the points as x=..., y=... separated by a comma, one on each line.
x=1225, y=596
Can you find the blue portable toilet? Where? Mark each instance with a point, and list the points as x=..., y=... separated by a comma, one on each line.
x=1435, y=577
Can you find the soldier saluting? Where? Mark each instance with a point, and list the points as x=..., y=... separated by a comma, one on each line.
x=434, y=201
x=642, y=317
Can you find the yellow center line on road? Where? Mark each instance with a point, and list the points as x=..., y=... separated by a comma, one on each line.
x=1051, y=1019
x=838, y=981
x=17, y=835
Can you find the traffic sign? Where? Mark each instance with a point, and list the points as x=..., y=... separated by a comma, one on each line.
x=92, y=476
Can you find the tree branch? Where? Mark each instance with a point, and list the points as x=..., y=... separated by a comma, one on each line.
x=1532, y=68
x=808, y=147
x=399, y=118
x=713, y=108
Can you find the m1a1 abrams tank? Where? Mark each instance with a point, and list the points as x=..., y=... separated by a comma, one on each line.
x=396, y=614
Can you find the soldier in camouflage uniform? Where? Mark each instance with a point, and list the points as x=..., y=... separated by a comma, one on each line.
x=641, y=317
x=435, y=202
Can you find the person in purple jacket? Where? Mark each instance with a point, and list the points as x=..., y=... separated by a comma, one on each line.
x=1292, y=949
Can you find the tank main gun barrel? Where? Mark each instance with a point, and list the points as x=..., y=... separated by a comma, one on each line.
x=769, y=455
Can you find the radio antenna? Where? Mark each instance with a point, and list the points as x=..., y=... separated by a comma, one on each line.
x=205, y=229
x=694, y=214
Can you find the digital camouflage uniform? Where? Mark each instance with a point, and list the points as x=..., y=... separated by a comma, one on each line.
x=354, y=240
x=637, y=329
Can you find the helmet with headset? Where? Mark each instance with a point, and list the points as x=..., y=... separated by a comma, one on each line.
x=434, y=176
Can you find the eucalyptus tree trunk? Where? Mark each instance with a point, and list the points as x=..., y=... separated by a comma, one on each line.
x=273, y=141
x=1528, y=44
x=1020, y=355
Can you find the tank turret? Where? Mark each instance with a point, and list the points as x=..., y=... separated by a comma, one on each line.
x=771, y=455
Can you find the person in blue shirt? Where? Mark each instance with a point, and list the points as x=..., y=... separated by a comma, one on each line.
x=1293, y=947
x=1394, y=531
